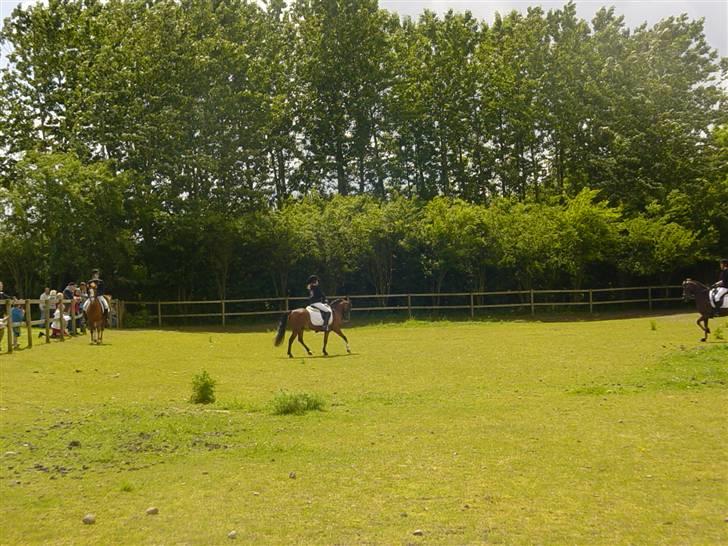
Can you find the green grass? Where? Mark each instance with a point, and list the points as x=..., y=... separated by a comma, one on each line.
x=286, y=403
x=594, y=432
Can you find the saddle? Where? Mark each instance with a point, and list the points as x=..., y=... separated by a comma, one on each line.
x=711, y=298
x=315, y=314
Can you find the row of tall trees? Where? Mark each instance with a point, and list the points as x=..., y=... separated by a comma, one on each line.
x=165, y=140
x=356, y=243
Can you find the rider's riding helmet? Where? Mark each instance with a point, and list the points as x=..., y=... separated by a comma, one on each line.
x=312, y=278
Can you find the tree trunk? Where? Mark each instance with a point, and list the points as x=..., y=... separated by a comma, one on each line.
x=343, y=184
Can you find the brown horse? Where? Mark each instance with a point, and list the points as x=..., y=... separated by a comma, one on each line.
x=95, y=318
x=701, y=293
x=300, y=320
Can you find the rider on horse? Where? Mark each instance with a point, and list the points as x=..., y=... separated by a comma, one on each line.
x=98, y=285
x=721, y=286
x=316, y=299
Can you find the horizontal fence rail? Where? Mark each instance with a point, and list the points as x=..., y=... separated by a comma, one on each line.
x=73, y=324
x=145, y=313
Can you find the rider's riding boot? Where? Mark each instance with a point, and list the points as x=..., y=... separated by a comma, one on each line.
x=325, y=316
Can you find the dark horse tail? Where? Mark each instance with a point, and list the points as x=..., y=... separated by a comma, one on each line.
x=281, y=329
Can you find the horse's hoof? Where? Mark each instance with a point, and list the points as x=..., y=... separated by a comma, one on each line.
x=310, y=353
x=290, y=355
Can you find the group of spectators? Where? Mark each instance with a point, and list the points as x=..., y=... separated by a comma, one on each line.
x=51, y=303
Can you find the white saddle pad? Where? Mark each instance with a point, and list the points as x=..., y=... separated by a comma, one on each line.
x=315, y=315
x=713, y=292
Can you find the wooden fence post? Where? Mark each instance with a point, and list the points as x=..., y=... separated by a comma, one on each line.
x=47, y=320
x=9, y=325
x=72, y=314
x=472, y=308
x=649, y=296
x=533, y=307
x=28, y=325
x=62, y=321
x=159, y=313
x=222, y=305
x=591, y=300
x=409, y=305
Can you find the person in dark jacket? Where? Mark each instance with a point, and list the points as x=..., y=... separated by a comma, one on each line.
x=722, y=287
x=317, y=299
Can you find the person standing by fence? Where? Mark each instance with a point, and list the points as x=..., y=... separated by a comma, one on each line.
x=45, y=304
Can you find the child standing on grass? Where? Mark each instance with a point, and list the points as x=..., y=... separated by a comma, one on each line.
x=17, y=315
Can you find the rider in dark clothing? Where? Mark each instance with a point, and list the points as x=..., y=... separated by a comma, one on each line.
x=99, y=291
x=316, y=297
x=722, y=286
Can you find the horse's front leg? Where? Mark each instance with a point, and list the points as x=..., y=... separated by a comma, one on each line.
x=342, y=336
x=704, y=327
x=300, y=339
x=326, y=340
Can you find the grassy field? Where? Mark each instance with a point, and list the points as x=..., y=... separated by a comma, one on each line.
x=579, y=432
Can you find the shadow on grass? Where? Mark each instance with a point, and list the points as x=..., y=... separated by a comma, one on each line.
x=316, y=357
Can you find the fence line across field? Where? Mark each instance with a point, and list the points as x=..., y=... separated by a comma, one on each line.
x=473, y=301
x=7, y=324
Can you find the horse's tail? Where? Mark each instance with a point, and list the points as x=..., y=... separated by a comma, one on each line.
x=281, y=329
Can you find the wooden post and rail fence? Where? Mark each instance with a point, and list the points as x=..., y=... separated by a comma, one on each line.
x=219, y=311
x=164, y=313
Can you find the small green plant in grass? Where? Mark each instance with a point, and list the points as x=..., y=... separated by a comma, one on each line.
x=718, y=333
x=286, y=403
x=653, y=325
x=203, y=389
x=126, y=487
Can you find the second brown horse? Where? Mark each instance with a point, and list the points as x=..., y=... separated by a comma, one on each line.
x=300, y=320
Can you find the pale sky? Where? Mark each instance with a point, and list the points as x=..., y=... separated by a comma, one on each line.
x=635, y=12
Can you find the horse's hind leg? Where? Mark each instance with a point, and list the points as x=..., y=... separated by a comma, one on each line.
x=326, y=340
x=342, y=336
x=300, y=339
x=290, y=342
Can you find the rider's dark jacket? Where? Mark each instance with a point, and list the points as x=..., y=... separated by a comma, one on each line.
x=315, y=295
x=99, y=286
x=723, y=281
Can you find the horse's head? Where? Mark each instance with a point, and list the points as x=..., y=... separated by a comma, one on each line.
x=687, y=290
x=692, y=288
x=343, y=306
